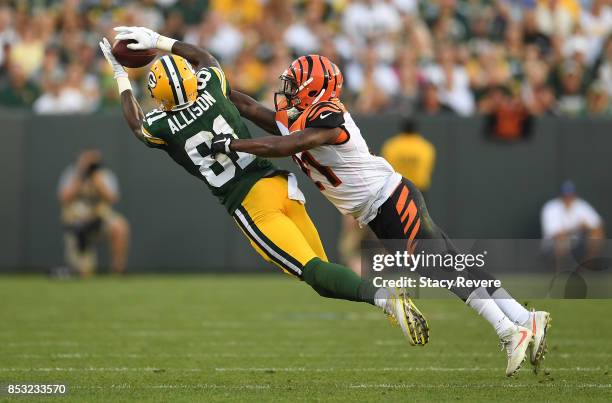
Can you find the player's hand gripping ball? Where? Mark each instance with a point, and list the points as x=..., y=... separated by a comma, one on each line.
x=135, y=46
x=130, y=57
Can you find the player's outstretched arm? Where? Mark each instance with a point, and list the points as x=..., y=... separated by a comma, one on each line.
x=132, y=112
x=131, y=109
x=271, y=146
x=149, y=39
x=255, y=112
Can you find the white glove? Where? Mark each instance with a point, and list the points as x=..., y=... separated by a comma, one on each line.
x=144, y=37
x=118, y=69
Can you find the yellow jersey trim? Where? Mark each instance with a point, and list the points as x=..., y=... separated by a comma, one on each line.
x=152, y=139
x=221, y=77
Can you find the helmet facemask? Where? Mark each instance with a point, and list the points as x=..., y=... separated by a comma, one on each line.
x=286, y=97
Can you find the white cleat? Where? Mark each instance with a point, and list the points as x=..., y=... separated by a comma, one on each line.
x=516, y=341
x=402, y=311
x=539, y=322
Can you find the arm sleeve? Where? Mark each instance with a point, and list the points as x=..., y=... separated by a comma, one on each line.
x=225, y=88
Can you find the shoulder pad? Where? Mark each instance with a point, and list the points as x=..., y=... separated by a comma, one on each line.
x=325, y=114
x=205, y=74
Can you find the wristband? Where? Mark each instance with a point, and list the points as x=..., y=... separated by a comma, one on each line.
x=165, y=43
x=123, y=83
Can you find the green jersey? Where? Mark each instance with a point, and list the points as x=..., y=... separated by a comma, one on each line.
x=186, y=136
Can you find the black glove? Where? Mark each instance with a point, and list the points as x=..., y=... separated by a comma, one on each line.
x=221, y=143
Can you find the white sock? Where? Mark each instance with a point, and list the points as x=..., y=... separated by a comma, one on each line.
x=513, y=310
x=481, y=302
x=381, y=297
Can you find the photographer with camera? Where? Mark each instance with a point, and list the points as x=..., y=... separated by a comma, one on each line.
x=87, y=193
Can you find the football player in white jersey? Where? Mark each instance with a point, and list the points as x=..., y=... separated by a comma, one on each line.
x=314, y=127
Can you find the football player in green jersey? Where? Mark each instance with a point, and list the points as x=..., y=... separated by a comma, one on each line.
x=265, y=202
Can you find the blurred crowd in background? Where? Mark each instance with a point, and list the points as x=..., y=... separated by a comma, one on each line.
x=524, y=57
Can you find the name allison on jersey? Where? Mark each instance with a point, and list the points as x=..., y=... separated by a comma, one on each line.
x=353, y=179
x=184, y=118
x=186, y=136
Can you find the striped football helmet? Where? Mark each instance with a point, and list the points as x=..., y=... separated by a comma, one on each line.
x=172, y=83
x=308, y=80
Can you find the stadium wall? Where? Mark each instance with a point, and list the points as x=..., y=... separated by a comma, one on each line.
x=481, y=188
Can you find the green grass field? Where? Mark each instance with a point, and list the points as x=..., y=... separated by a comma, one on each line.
x=270, y=338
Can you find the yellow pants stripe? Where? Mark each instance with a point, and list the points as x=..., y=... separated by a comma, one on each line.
x=279, y=228
x=276, y=254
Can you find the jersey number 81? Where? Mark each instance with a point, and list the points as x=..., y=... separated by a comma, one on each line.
x=220, y=169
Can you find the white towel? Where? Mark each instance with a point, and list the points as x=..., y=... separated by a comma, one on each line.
x=294, y=191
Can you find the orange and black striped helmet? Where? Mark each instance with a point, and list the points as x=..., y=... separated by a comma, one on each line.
x=308, y=80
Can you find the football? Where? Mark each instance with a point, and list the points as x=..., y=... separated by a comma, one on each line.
x=132, y=58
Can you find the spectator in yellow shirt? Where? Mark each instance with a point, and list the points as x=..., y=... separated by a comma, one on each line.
x=411, y=155
x=240, y=12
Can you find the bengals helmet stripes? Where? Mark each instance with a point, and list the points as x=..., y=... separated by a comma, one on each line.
x=308, y=80
x=172, y=83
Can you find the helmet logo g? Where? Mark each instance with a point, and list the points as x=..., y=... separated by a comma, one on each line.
x=152, y=80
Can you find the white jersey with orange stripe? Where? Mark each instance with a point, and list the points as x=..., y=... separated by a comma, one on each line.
x=347, y=173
